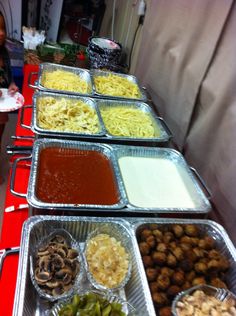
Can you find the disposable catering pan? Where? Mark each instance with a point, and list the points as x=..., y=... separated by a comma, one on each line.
x=95, y=74
x=146, y=180
x=83, y=118
x=45, y=68
x=159, y=131
x=27, y=302
x=87, y=77
x=210, y=228
x=73, y=175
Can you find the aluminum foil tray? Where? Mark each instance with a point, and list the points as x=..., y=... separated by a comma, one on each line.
x=162, y=135
x=64, y=145
x=181, y=196
x=133, y=79
x=27, y=302
x=211, y=228
x=197, y=201
x=49, y=67
x=39, y=95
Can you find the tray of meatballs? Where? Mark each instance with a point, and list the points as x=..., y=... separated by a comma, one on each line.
x=73, y=265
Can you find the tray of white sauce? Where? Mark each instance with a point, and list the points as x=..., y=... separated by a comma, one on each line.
x=160, y=180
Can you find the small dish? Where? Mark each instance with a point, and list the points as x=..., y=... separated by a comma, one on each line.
x=105, y=298
x=204, y=300
x=9, y=103
x=109, y=261
x=56, y=268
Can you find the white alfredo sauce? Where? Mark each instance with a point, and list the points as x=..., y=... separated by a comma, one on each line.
x=156, y=182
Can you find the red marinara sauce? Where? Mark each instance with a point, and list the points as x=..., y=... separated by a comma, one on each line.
x=74, y=176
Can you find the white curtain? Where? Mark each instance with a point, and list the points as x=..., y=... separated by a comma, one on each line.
x=187, y=61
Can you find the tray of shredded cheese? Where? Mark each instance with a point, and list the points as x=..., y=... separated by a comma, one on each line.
x=133, y=290
x=116, y=86
x=65, y=79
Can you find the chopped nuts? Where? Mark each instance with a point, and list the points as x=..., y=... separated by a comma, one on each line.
x=201, y=304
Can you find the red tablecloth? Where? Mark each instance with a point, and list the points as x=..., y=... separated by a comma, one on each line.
x=13, y=221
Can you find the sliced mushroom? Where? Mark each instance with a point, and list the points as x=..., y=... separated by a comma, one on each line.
x=56, y=266
x=58, y=291
x=57, y=262
x=44, y=252
x=42, y=276
x=59, y=239
x=61, y=252
x=44, y=263
x=67, y=279
x=72, y=253
x=53, y=284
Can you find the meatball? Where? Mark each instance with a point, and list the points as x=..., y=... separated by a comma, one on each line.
x=191, y=230
x=223, y=264
x=153, y=226
x=160, y=299
x=186, y=240
x=172, y=245
x=178, y=253
x=144, y=248
x=165, y=311
x=178, y=278
x=185, y=246
x=190, y=276
x=186, y=265
x=186, y=285
x=151, y=241
x=213, y=265
x=151, y=274
x=145, y=233
x=209, y=242
x=195, y=241
x=158, y=234
x=171, y=260
x=163, y=282
x=161, y=247
x=159, y=257
x=147, y=261
x=198, y=281
x=168, y=237
x=214, y=254
x=200, y=267
x=153, y=287
x=178, y=230
x=173, y=290
x=167, y=271
x=200, y=253
x=217, y=282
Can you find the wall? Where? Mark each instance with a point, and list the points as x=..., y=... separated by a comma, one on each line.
x=125, y=25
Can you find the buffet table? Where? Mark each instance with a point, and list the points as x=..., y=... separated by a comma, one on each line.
x=13, y=221
x=16, y=209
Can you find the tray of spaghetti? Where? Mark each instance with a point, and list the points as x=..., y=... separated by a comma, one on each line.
x=65, y=79
x=62, y=115
x=111, y=121
x=116, y=86
x=132, y=122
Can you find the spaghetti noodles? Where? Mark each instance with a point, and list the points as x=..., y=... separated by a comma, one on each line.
x=116, y=86
x=64, y=80
x=131, y=122
x=66, y=115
